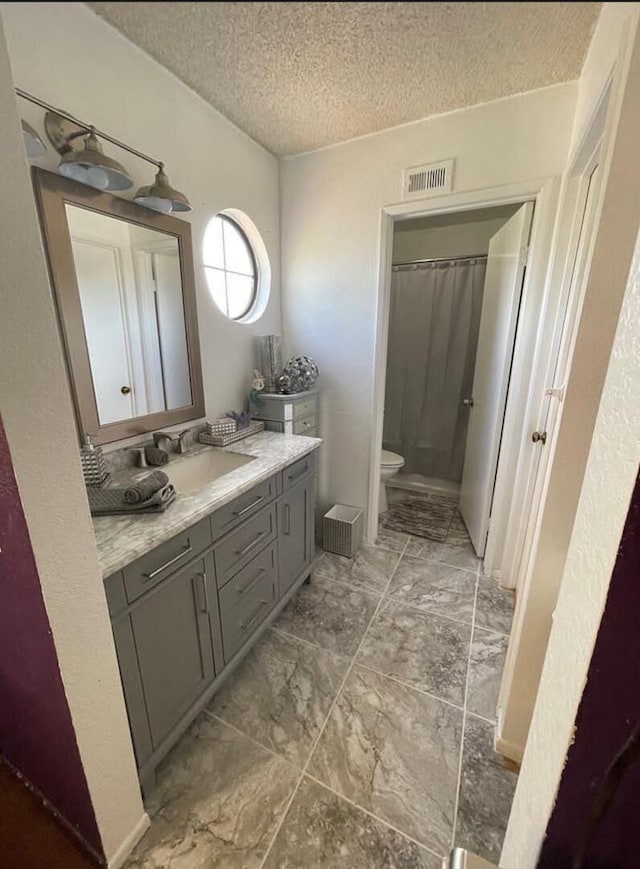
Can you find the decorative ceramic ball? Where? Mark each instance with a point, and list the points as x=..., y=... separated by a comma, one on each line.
x=302, y=372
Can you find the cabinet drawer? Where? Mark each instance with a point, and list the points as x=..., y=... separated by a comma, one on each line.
x=304, y=425
x=305, y=407
x=244, y=543
x=240, y=621
x=226, y=518
x=156, y=565
x=237, y=590
x=295, y=472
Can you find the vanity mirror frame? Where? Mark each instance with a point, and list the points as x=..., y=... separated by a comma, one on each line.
x=53, y=193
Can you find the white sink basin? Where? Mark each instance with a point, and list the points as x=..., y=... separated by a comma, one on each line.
x=194, y=472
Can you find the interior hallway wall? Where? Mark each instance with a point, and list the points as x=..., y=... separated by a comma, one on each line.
x=331, y=219
x=68, y=56
x=38, y=420
x=591, y=354
x=603, y=409
x=36, y=731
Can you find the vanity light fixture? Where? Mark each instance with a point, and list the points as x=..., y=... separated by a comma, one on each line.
x=34, y=145
x=161, y=196
x=89, y=165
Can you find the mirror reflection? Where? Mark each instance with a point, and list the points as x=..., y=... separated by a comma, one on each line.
x=131, y=295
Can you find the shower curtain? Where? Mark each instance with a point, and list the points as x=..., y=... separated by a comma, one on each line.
x=433, y=336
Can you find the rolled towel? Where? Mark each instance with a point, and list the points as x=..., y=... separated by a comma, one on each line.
x=156, y=455
x=110, y=502
x=145, y=488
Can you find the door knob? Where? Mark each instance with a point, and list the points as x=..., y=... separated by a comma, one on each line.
x=468, y=402
x=125, y=390
x=539, y=437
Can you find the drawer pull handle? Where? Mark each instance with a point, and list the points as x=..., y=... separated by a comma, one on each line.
x=287, y=519
x=248, y=507
x=253, y=543
x=253, y=582
x=187, y=549
x=295, y=476
x=246, y=625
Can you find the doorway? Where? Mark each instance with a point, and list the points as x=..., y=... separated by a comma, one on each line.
x=455, y=289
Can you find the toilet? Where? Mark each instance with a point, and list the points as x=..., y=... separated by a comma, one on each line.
x=390, y=464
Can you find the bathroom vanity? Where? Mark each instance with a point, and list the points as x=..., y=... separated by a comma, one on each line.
x=207, y=578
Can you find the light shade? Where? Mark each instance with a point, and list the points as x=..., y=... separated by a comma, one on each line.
x=161, y=196
x=32, y=142
x=90, y=166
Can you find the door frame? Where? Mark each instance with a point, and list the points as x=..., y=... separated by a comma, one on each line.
x=591, y=149
x=526, y=382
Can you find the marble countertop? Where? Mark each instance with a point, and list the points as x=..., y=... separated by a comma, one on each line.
x=122, y=539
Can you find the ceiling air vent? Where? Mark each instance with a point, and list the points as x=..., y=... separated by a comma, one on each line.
x=432, y=179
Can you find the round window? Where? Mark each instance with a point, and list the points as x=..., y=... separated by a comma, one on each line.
x=230, y=266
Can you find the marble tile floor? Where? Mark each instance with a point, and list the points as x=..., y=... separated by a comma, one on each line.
x=359, y=730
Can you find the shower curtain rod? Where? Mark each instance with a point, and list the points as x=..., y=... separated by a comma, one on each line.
x=440, y=259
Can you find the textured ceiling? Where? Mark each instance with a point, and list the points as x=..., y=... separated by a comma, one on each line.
x=298, y=76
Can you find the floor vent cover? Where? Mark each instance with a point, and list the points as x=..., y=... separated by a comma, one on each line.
x=432, y=179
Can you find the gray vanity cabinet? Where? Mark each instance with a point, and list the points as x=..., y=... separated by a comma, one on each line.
x=174, y=644
x=295, y=524
x=185, y=613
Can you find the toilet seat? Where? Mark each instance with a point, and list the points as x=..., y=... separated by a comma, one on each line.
x=390, y=460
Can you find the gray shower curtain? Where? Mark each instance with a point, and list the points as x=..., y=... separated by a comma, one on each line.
x=433, y=336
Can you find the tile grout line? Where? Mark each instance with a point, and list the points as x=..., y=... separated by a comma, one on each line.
x=433, y=696
x=266, y=748
x=464, y=717
x=309, y=643
x=325, y=722
x=410, y=686
x=371, y=815
x=369, y=590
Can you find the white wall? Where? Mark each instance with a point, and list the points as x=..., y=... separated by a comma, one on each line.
x=602, y=418
x=66, y=55
x=331, y=219
x=38, y=419
x=448, y=235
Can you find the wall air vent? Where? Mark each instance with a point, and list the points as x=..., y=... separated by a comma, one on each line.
x=432, y=179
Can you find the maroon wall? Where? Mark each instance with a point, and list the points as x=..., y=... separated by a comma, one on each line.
x=609, y=713
x=36, y=732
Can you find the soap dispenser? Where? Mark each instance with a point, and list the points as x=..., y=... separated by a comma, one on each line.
x=94, y=467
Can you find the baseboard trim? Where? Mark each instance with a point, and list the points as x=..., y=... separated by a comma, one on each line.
x=508, y=749
x=119, y=858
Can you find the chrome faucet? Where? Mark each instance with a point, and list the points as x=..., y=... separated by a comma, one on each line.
x=164, y=441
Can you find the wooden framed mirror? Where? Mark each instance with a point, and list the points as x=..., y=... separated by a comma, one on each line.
x=124, y=286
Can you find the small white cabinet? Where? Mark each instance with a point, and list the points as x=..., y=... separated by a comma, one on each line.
x=291, y=414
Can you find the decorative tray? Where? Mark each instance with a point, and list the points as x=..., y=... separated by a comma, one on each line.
x=224, y=440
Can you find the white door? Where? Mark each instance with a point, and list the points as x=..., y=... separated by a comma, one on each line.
x=101, y=298
x=500, y=302
x=171, y=330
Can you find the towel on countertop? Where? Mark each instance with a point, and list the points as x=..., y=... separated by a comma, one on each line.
x=156, y=455
x=145, y=488
x=110, y=502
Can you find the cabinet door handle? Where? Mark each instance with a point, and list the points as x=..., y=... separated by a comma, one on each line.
x=295, y=476
x=253, y=582
x=201, y=593
x=246, y=625
x=248, y=507
x=252, y=544
x=185, y=551
x=287, y=519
